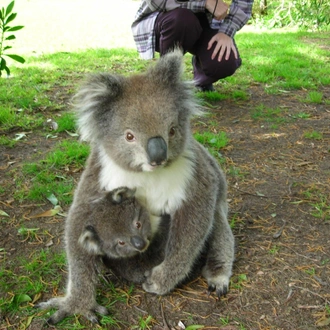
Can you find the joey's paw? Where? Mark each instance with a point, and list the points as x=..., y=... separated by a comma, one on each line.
x=156, y=281
x=219, y=284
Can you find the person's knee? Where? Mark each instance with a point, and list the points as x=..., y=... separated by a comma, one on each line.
x=220, y=70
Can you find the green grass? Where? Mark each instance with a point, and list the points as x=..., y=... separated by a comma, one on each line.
x=273, y=116
x=213, y=142
x=317, y=196
x=216, y=141
x=238, y=281
x=66, y=122
x=22, y=289
x=314, y=97
x=47, y=176
x=313, y=135
x=268, y=60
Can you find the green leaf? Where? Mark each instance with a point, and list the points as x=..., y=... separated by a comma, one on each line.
x=15, y=28
x=3, y=214
x=20, y=298
x=16, y=58
x=11, y=37
x=52, y=198
x=7, y=70
x=10, y=18
x=9, y=8
x=2, y=64
x=7, y=47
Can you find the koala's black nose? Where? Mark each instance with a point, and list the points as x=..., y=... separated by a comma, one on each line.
x=138, y=242
x=157, y=150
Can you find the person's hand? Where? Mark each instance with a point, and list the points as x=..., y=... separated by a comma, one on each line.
x=224, y=45
x=221, y=10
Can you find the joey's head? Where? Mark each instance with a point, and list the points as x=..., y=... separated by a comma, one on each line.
x=141, y=122
x=118, y=227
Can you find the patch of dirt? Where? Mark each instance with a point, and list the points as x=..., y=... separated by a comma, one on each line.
x=277, y=179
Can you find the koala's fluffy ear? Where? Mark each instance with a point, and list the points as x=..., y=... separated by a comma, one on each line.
x=89, y=240
x=97, y=91
x=168, y=73
x=119, y=195
x=169, y=68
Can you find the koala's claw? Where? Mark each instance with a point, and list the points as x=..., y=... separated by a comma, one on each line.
x=57, y=317
x=93, y=318
x=147, y=273
x=222, y=291
x=67, y=308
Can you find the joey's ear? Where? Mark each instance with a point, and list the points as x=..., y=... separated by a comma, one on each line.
x=95, y=96
x=169, y=68
x=89, y=240
x=119, y=195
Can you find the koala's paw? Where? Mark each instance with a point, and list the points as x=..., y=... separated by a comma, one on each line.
x=219, y=284
x=67, y=307
x=157, y=281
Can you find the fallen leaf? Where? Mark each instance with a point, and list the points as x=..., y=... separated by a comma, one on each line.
x=49, y=213
x=3, y=214
x=72, y=134
x=20, y=136
x=323, y=323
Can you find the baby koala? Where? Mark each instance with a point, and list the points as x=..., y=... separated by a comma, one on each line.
x=118, y=227
x=110, y=225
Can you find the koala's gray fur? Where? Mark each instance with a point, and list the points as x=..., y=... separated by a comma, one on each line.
x=99, y=224
x=139, y=130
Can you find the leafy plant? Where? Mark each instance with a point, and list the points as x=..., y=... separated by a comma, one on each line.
x=7, y=16
x=306, y=14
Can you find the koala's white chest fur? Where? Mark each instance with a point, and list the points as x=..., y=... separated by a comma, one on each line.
x=161, y=191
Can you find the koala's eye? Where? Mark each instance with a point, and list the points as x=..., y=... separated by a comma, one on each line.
x=130, y=137
x=172, y=131
x=121, y=242
x=138, y=225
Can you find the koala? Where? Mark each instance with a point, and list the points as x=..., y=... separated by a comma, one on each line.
x=117, y=227
x=99, y=224
x=140, y=135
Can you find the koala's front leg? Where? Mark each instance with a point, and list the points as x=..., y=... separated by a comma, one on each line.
x=190, y=226
x=80, y=295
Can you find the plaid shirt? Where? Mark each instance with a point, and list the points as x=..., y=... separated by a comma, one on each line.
x=144, y=22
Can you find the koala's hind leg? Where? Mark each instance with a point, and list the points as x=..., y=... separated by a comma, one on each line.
x=80, y=295
x=67, y=307
x=220, y=256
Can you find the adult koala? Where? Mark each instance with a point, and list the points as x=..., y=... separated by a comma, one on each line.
x=139, y=130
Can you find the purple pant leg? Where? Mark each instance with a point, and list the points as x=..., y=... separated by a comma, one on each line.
x=178, y=27
x=181, y=27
